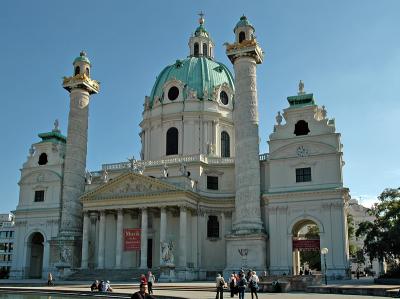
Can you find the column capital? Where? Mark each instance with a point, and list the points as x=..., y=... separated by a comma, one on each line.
x=120, y=211
x=183, y=208
x=102, y=213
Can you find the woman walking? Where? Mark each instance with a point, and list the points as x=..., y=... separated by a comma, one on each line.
x=253, y=284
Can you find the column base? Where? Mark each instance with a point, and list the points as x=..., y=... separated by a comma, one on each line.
x=246, y=252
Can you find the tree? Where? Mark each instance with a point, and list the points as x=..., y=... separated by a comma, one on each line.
x=382, y=236
x=313, y=258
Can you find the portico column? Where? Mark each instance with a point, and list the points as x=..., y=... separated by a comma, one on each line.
x=102, y=230
x=46, y=257
x=143, y=241
x=182, y=236
x=163, y=230
x=85, y=241
x=118, y=250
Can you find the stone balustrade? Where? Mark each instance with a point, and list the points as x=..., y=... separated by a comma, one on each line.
x=174, y=160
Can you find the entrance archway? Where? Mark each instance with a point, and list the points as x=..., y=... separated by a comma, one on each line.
x=306, y=247
x=36, y=246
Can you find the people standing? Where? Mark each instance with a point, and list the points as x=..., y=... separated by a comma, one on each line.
x=151, y=279
x=50, y=279
x=142, y=293
x=253, y=284
x=241, y=285
x=220, y=283
x=232, y=284
x=143, y=279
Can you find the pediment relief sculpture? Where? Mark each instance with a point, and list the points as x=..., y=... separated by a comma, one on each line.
x=129, y=184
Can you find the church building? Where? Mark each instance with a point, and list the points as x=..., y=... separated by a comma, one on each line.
x=201, y=199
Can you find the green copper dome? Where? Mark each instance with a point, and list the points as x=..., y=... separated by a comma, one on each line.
x=82, y=57
x=243, y=22
x=200, y=74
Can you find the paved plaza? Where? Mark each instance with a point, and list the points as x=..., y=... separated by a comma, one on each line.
x=190, y=290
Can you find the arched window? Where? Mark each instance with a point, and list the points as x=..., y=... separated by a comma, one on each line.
x=301, y=128
x=242, y=36
x=77, y=70
x=225, y=145
x=196, y=49
x=212, y=227
x=205, y=48
x=87, y=72
x=42, y=159
x=172, y=141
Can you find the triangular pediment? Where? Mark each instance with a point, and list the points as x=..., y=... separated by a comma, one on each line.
x=129, y=185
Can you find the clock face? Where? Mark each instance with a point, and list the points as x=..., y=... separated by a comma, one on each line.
x=302, y=151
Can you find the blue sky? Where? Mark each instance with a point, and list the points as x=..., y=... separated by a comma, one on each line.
x=346, y=52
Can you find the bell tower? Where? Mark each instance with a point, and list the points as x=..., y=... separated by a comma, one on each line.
x=80, y=87
x=248, y=240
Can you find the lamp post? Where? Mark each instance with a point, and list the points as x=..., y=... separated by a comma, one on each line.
x=324, y=252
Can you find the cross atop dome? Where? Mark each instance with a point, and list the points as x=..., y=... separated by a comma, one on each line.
x=201, y=20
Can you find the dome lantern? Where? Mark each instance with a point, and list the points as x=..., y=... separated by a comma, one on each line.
x=200, y=43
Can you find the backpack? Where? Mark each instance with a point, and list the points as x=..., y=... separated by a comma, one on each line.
x=221, y=283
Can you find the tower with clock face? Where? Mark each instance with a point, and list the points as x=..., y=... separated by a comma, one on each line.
x=304, y=185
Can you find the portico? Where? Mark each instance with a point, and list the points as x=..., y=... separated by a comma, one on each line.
x=163, y=212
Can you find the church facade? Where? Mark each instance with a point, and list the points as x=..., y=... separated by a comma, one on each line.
x=201, y=199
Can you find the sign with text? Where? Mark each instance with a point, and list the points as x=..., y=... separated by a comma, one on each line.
x=306, y=245
x=131, y=239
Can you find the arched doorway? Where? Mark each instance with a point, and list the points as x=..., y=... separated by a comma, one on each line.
x=35, y=255
x=306, y=247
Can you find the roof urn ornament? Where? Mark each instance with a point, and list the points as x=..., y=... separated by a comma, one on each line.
x=301, y=87
x=278, y=118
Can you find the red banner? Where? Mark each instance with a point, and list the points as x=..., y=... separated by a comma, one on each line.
x=131, y=239
x=306, y=245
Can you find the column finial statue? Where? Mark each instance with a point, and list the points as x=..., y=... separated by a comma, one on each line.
x=56, y=126
x=301, y=87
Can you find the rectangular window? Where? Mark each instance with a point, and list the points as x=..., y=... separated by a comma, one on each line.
x=212, y=182
x=11, y=234
x=10, y=247
x=303, y=174
x=3, y=247
x=39, y=195
x=212, y=227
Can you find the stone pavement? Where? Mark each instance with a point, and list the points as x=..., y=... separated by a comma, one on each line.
x=189, y=290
